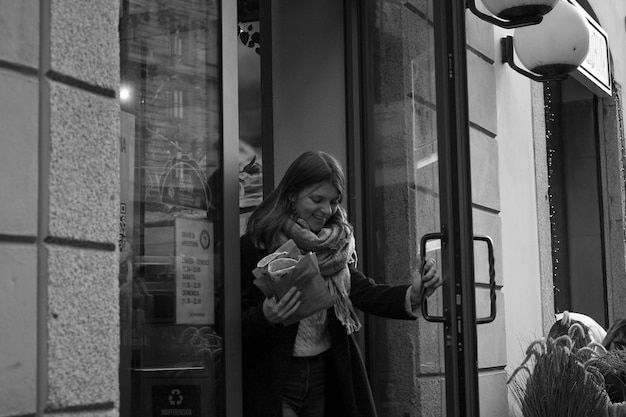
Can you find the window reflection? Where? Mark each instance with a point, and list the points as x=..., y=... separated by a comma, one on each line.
x=170, y=158
x=404, y=189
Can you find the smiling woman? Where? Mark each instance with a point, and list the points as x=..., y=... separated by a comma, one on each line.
x=278, y=348
x=315, y=204
x=313, y=180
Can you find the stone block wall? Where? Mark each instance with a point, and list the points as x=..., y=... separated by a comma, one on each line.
x=59, y=181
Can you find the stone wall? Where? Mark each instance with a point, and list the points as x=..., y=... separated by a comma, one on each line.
x=59, y=179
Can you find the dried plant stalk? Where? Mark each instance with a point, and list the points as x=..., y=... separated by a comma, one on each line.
x=560, y=382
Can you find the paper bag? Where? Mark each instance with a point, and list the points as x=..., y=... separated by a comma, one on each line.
x=304, y=275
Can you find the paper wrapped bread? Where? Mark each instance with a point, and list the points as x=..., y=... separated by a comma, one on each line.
x=287, y=267
x=280, y=267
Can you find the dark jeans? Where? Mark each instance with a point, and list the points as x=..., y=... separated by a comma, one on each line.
x=305, y=388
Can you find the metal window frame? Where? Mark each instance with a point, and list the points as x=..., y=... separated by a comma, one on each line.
x=454, y=149
x=230, y=164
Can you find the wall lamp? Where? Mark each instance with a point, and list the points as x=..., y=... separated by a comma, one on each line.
x=551, y=49
x=510, y=14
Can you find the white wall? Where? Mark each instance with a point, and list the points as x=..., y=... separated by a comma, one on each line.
x=520, y=246
x=524, y=218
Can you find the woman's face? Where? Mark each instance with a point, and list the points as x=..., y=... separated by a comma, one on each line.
x=316, y=204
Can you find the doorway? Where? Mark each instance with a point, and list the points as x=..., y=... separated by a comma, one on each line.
x=574, y=175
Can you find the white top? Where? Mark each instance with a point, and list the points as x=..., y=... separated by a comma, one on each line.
x=313, y=337
x=596, y=332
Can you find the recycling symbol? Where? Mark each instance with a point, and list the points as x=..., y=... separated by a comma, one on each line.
x=175, y=397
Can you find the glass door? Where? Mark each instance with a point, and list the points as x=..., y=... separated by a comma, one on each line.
x=172, y=219
x=403, y=196
x=419, y=205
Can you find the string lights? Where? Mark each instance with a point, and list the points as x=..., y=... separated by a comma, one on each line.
x=551, y=121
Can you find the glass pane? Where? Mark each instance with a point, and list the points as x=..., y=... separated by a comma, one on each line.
x=170, y=223
x=250, y=142
x=406, y=366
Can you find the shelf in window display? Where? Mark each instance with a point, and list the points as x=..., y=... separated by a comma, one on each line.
x=155, y=260
x=159, y=214
x=153, y=266
x=170, y=369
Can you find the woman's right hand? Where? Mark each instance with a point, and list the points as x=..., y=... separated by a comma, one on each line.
x=277, y=311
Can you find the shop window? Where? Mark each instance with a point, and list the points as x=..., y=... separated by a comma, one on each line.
x=575, y=199
x=171, y=271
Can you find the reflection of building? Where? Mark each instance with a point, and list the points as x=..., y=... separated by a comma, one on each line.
x=170, y=54
x=548, y=187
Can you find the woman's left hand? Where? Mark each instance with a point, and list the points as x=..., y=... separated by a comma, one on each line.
x=429, y=279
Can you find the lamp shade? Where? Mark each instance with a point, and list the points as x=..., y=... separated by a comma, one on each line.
x=515, y=9
x=557, y=45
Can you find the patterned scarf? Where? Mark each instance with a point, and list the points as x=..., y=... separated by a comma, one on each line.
x=335, y=250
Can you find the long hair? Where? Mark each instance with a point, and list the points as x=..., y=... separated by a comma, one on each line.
x=310, y=168
x=616, y=335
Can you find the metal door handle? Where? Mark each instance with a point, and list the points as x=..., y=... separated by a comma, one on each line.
x=423, y=241
x=492, y=279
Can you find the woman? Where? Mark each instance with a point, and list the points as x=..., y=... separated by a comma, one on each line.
x=313, y=368
x=593, y=332
x=616, y=336
x=615, y=343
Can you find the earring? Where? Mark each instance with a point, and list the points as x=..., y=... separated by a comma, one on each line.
x=293, y=208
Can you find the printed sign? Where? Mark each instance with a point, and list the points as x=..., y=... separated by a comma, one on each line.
x=595, y=71
x=127, y=183
x=125, y=243
x=176, y=400
x=194, y=271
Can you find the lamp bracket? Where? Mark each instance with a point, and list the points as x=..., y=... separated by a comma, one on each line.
x=506, y=24
x=508, y=56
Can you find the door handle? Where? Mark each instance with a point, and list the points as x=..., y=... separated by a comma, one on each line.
x=423, y=241
x=492, y=279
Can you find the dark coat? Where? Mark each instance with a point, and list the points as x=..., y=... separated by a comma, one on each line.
x=267, y=349
x=615, y=385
